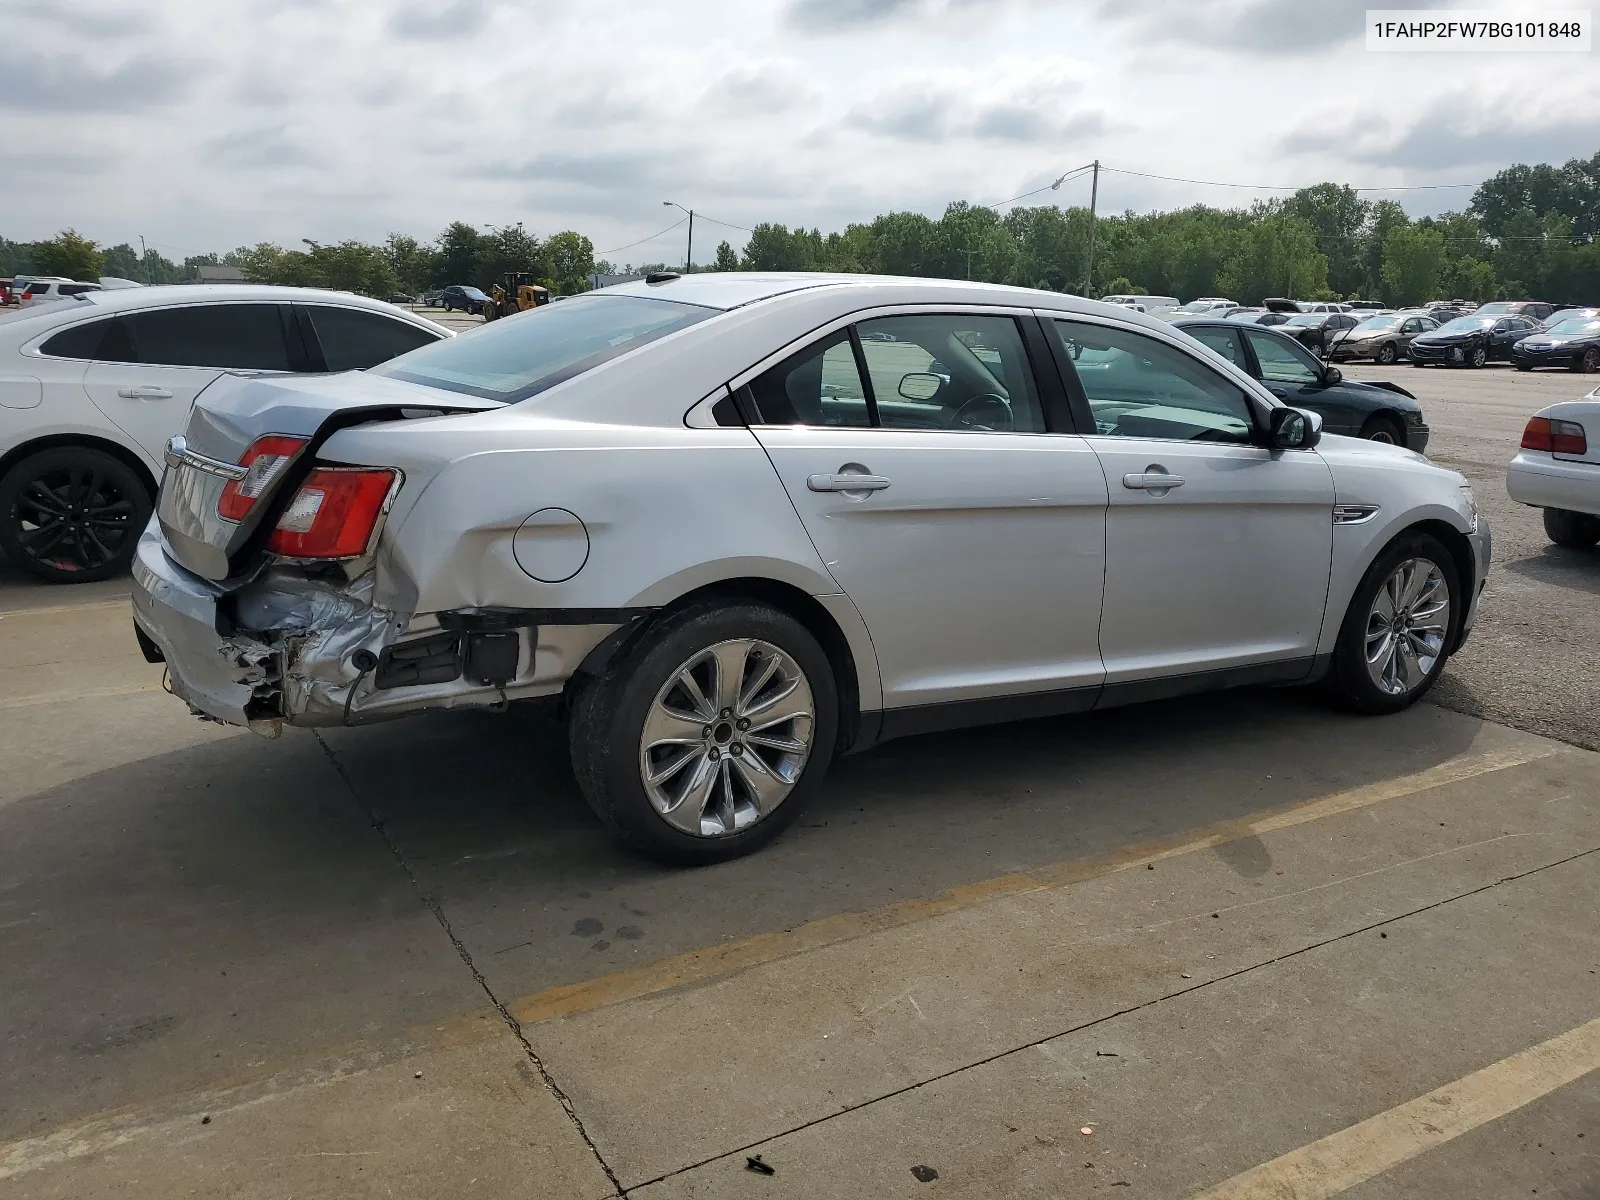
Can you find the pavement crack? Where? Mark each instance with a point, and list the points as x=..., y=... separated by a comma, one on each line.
x=433, y=906
x=1134, y=1008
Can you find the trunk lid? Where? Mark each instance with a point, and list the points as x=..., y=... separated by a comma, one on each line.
x=232, y=414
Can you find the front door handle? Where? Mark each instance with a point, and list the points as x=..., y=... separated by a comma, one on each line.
x=144, y=392
x=846, y=483
x=1151, y=481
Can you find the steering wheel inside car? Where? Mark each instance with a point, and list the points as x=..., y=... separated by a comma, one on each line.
x=988, y=411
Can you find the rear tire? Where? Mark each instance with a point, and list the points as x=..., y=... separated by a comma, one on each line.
x=1415, y=573
x=72, y=514
x=1577, y=530
x=624, y=725
x=1589, y=363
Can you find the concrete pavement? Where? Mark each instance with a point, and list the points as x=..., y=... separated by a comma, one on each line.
x=973, y=947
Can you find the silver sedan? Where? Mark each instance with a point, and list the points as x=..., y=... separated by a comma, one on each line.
x=743, y=523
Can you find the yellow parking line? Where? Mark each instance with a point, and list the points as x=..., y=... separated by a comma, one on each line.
x=714, y=962
x=1342, y=1160
x=104, y=693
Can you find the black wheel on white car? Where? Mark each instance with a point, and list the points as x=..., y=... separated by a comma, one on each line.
x=1379, y=428
x=705, y=738
x=1400, y=623
x=1387, y=353
x=1574, y=529
x=72, y=514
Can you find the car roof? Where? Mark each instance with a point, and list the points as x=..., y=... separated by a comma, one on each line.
x=735, y=289
x=143, y=297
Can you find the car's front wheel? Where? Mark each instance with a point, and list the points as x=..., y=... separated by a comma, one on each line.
x=704, y=739
x=1575, y=529
x=1480, y=355
x=1387, y=353
x=72, y=514
x=1393, y=643
x=1383, y=429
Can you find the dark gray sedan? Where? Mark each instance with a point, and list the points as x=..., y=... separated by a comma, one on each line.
x=1379, y=412
x=1384, y=338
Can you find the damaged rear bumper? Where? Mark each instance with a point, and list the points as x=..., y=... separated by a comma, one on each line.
x=287, y=648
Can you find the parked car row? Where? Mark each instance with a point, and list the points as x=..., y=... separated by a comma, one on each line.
x=93, y=386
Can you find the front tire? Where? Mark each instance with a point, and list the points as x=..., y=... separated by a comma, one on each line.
x=1479, y=356
x=1399, y=626
x=1387, y=353
x=1574, y=529
x=72, y=514
x=1385, y=430
x=705, y=738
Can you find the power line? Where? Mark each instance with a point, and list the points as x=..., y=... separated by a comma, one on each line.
x=729, y=224
x=1049, y=187
x=642, y=241
x=1267, y=187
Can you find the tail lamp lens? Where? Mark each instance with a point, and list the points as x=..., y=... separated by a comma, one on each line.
x=1556, y=437
x=266, y=459
x=333, y=514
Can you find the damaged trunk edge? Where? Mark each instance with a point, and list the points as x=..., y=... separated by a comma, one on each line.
x=316, y=650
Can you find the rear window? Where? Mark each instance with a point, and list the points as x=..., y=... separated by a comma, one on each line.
x=517, y=357
x=354, y=339
x=106, y=340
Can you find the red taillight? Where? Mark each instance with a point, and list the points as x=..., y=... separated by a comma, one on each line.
x=333, y=514
x=267, y=458
x=1556, y=437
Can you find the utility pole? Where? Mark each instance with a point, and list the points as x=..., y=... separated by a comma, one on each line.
x=1094, y=196
x=688, y=253
x=969, y=254
x=144, y=265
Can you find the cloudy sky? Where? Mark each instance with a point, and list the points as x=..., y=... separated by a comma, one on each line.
x=204, y=124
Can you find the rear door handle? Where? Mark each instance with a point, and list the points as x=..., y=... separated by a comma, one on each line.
x=1151, y=481
x=144, y=392
x=846, y=483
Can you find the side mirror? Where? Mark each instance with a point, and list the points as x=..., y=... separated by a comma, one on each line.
x=1331, y=376
x=920, y=385
x=1294, y=429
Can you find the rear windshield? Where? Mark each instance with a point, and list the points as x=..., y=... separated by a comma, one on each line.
x=1466, y=324
x=517, y=357
x=1575, y=327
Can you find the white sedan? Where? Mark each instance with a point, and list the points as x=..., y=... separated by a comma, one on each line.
x=744, y=522
x=92, y=387
x=1558, y=470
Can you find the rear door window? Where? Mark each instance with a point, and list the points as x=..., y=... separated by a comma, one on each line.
x=237, y=336
x=354, y=339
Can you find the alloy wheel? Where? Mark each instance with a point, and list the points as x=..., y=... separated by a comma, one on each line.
x=1387, y=354
x=1591, y=361
x=1407, y=626
x=727, y=737
x=73, y=519
x=1479, y=356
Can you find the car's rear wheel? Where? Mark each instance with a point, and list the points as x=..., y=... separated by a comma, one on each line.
x=72, y=514
x=1578, y=530
x=1383, y=429
x=1387, y=353
x=1589, y=363
x=1396, y=632
x=704, y=739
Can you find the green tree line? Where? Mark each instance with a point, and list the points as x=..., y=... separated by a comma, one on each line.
x=1529, y=231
